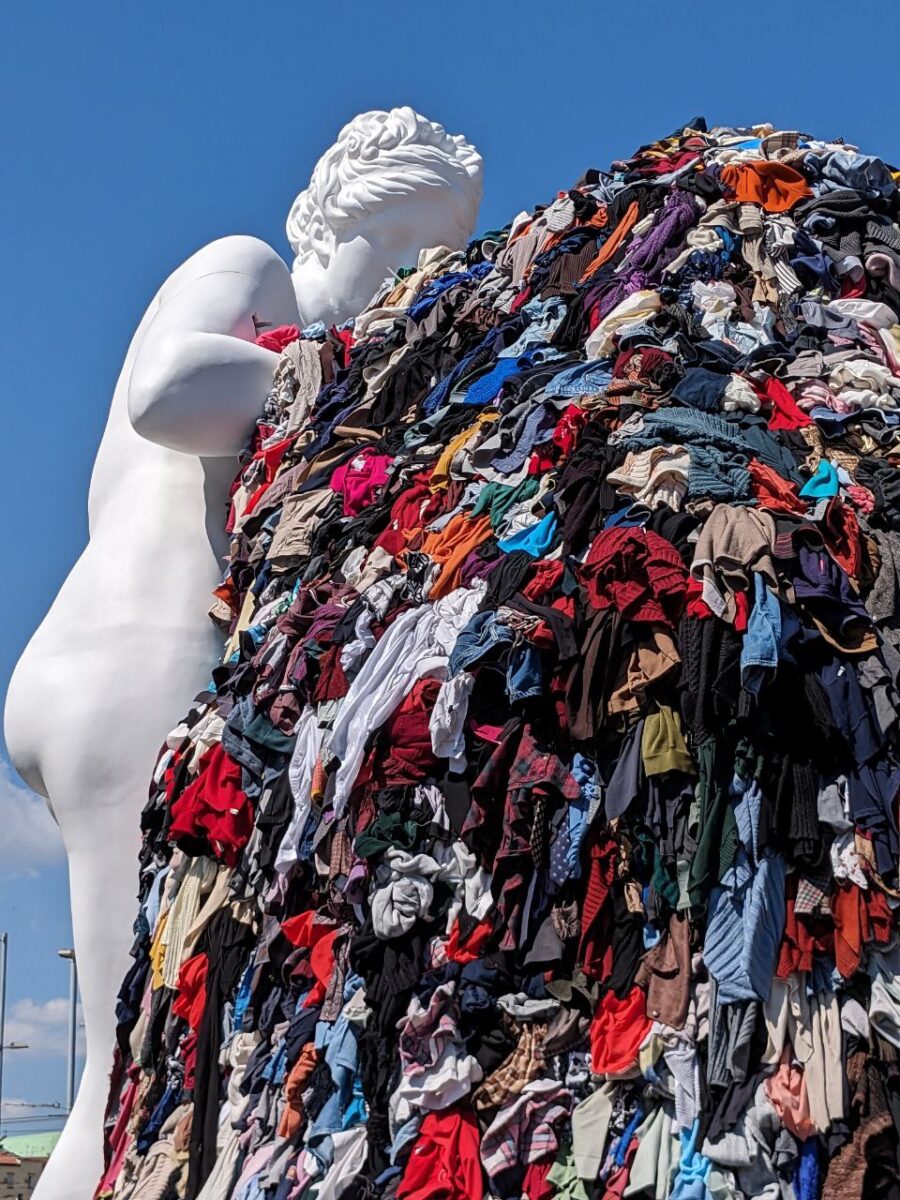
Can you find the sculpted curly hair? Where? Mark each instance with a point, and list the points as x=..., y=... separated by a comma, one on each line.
x=378, y=157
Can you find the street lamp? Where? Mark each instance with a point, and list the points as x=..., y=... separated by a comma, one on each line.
x=73, y=1008
x=4, y=1045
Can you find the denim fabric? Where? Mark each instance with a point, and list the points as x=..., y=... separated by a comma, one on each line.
x=536, y=427
x=483, y=634
x=344, y=1107
x=760, y=650
x=546, y=317
x=487, y=637
x=584, y=379
x=524, y=678
x=579, y=812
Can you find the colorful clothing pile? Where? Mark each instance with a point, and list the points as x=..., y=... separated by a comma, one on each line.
x=537, y=835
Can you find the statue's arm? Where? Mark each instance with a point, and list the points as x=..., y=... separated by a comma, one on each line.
x=198, y=381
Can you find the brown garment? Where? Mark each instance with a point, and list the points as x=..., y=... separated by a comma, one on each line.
x=867, y=1164
x=652, y=658
x=592, y=678
x=294, y=1086
x=524, y=1064
x=665, y=973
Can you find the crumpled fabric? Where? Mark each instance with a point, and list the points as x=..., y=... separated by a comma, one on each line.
x=536, y=833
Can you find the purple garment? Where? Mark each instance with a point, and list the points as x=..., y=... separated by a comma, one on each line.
x=650, y=252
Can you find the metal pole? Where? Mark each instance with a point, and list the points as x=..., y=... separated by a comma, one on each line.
x=73, y=1006
x=4, y=940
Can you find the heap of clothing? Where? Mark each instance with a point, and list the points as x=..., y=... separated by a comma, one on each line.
x=537, y=835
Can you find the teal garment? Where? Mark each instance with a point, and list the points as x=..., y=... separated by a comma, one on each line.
x=536, y=541
x=496, y=499
x=823, y=484
x=261, y=731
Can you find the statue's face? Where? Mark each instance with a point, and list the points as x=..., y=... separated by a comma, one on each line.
x=409, y=224
x=377, y=244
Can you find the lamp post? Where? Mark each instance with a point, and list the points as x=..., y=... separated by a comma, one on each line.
x=73, y=1009
x=4, y=1045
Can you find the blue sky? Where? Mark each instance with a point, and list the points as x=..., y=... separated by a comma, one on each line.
x=132, y=134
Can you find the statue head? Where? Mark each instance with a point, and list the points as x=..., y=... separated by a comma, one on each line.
x=393, y=184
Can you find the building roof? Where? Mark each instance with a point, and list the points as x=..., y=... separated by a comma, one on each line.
x=30, y=1145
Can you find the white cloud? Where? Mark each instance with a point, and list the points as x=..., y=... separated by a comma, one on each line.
x=43, y=1027
x=30, y=838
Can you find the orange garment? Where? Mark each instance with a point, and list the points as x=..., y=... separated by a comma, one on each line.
x=597, y=221
x=859, y=917
x=804, y=936
x=613, y=242
x=294, y=1086
x=451, y=546
x=773, y=491
x=440, y=476
x=773, y=185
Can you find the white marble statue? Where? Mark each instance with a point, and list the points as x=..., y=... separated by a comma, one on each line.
x=127, y=642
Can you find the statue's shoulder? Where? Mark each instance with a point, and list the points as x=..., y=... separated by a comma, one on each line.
x=238, y=253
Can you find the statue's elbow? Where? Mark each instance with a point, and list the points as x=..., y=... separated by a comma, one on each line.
x=153, y=395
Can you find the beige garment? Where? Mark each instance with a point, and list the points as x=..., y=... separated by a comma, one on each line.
x=245, y=618
x=518, y=254
x=217, y=898
x=299, y=520
x=151, y=1176
x=654, y=477
x=812, y=1025
x=302, y=364
x=195, y=883
x=753, y=249
x=733, y=543
x=432, y=262
x=631, y=311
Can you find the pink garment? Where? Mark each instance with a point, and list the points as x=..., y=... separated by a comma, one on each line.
x=814, y=394
x=119, y=1138
x=359, y=479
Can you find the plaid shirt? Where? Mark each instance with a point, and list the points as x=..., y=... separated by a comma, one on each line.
x=532, y=781
x=524, y=1064
x=813, y=895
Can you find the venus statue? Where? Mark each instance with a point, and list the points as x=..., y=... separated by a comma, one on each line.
x=127, y=641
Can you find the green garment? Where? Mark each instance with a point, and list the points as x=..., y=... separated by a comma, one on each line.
x=716, y=830
x=496, y=499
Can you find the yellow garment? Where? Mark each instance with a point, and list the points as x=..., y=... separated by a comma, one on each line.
x=158, y=952
x=440, y=476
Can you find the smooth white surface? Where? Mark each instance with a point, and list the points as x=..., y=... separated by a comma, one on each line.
x=127, y=642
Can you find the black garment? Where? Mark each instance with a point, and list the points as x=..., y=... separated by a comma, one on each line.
x=225, y=942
